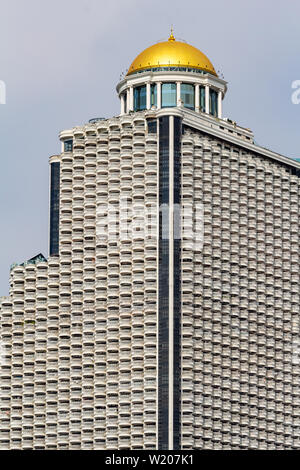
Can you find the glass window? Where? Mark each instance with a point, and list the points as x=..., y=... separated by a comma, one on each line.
x=54, y=207
x=140, y=98
x=125, y=102
x=188, y=95
x=213, y=102
x=168, y=95
x=202, y=99
x=152, y=126
x=68, y=145
x=153, y=98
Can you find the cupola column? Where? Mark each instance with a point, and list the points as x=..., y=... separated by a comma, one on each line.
x=207, y=99
x=127, y=101
x=148, y=95
x=122, y=104
x=131, y=98
x=178, y=93
x=158, y=86
x=197, y=98
x=220, y=104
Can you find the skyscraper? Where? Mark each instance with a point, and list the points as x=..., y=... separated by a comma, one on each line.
x=167, y=313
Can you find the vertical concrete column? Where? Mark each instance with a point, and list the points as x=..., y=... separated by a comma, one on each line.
x=197, y=98
x=148, y=95
x=158, y=87
x=127, y=100
x=171, y=278
x=131, y=98
x=178, y=84
x=220, y=104
x=122, y=104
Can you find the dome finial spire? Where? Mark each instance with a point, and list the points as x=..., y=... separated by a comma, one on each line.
x=172, y=38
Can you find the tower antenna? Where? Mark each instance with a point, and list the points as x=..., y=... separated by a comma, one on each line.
x=172, y=38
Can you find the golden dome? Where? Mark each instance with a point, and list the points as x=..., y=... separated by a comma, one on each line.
x=171, y=53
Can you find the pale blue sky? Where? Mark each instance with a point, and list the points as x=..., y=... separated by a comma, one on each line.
x=61, y=61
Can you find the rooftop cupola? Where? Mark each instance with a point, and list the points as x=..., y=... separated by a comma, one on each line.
x=172, y=73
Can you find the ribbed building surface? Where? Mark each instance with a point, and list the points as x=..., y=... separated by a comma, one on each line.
x=82, y=328
x=240, y=373
x=122, y=340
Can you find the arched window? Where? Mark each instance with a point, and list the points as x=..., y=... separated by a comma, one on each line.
x=188, y=95
x=168, y=95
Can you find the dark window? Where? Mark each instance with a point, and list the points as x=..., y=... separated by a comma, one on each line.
x=153, y=97
x=213, y=103
x=202, y=99
x=54, y=208
x=152, y=126
x=163, y=309
x=163, y=330
x=68, y=145
x=177, y=285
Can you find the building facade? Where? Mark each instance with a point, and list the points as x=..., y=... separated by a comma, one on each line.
x=167, y=313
